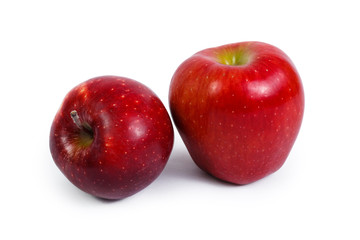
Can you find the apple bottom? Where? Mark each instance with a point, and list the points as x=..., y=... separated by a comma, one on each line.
x=243, y=148
x=102, y=189
x=117, y=182
x=237, y=168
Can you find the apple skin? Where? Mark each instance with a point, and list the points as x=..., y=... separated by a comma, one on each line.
x=238, y=109
x=124, y=141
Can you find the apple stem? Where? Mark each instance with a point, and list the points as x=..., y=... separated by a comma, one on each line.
x=81, y=125
x=86, y=134
x=75, y=117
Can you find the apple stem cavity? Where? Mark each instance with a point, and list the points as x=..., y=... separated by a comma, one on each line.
x=233, y=58
x=86, y=132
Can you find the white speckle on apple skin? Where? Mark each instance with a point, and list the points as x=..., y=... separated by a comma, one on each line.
x=214, y=87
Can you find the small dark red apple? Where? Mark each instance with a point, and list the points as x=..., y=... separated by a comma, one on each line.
x=238, y=109
x=111, y=137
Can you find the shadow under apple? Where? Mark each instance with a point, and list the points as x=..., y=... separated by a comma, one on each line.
x=181, y=167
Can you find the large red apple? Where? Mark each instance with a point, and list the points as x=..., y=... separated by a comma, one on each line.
x=111, y=137
x=238, y=109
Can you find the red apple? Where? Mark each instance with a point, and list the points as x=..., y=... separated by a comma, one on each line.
x=111, y=137
x=238, y=109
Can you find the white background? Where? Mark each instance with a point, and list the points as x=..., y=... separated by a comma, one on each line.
x=48, y=47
